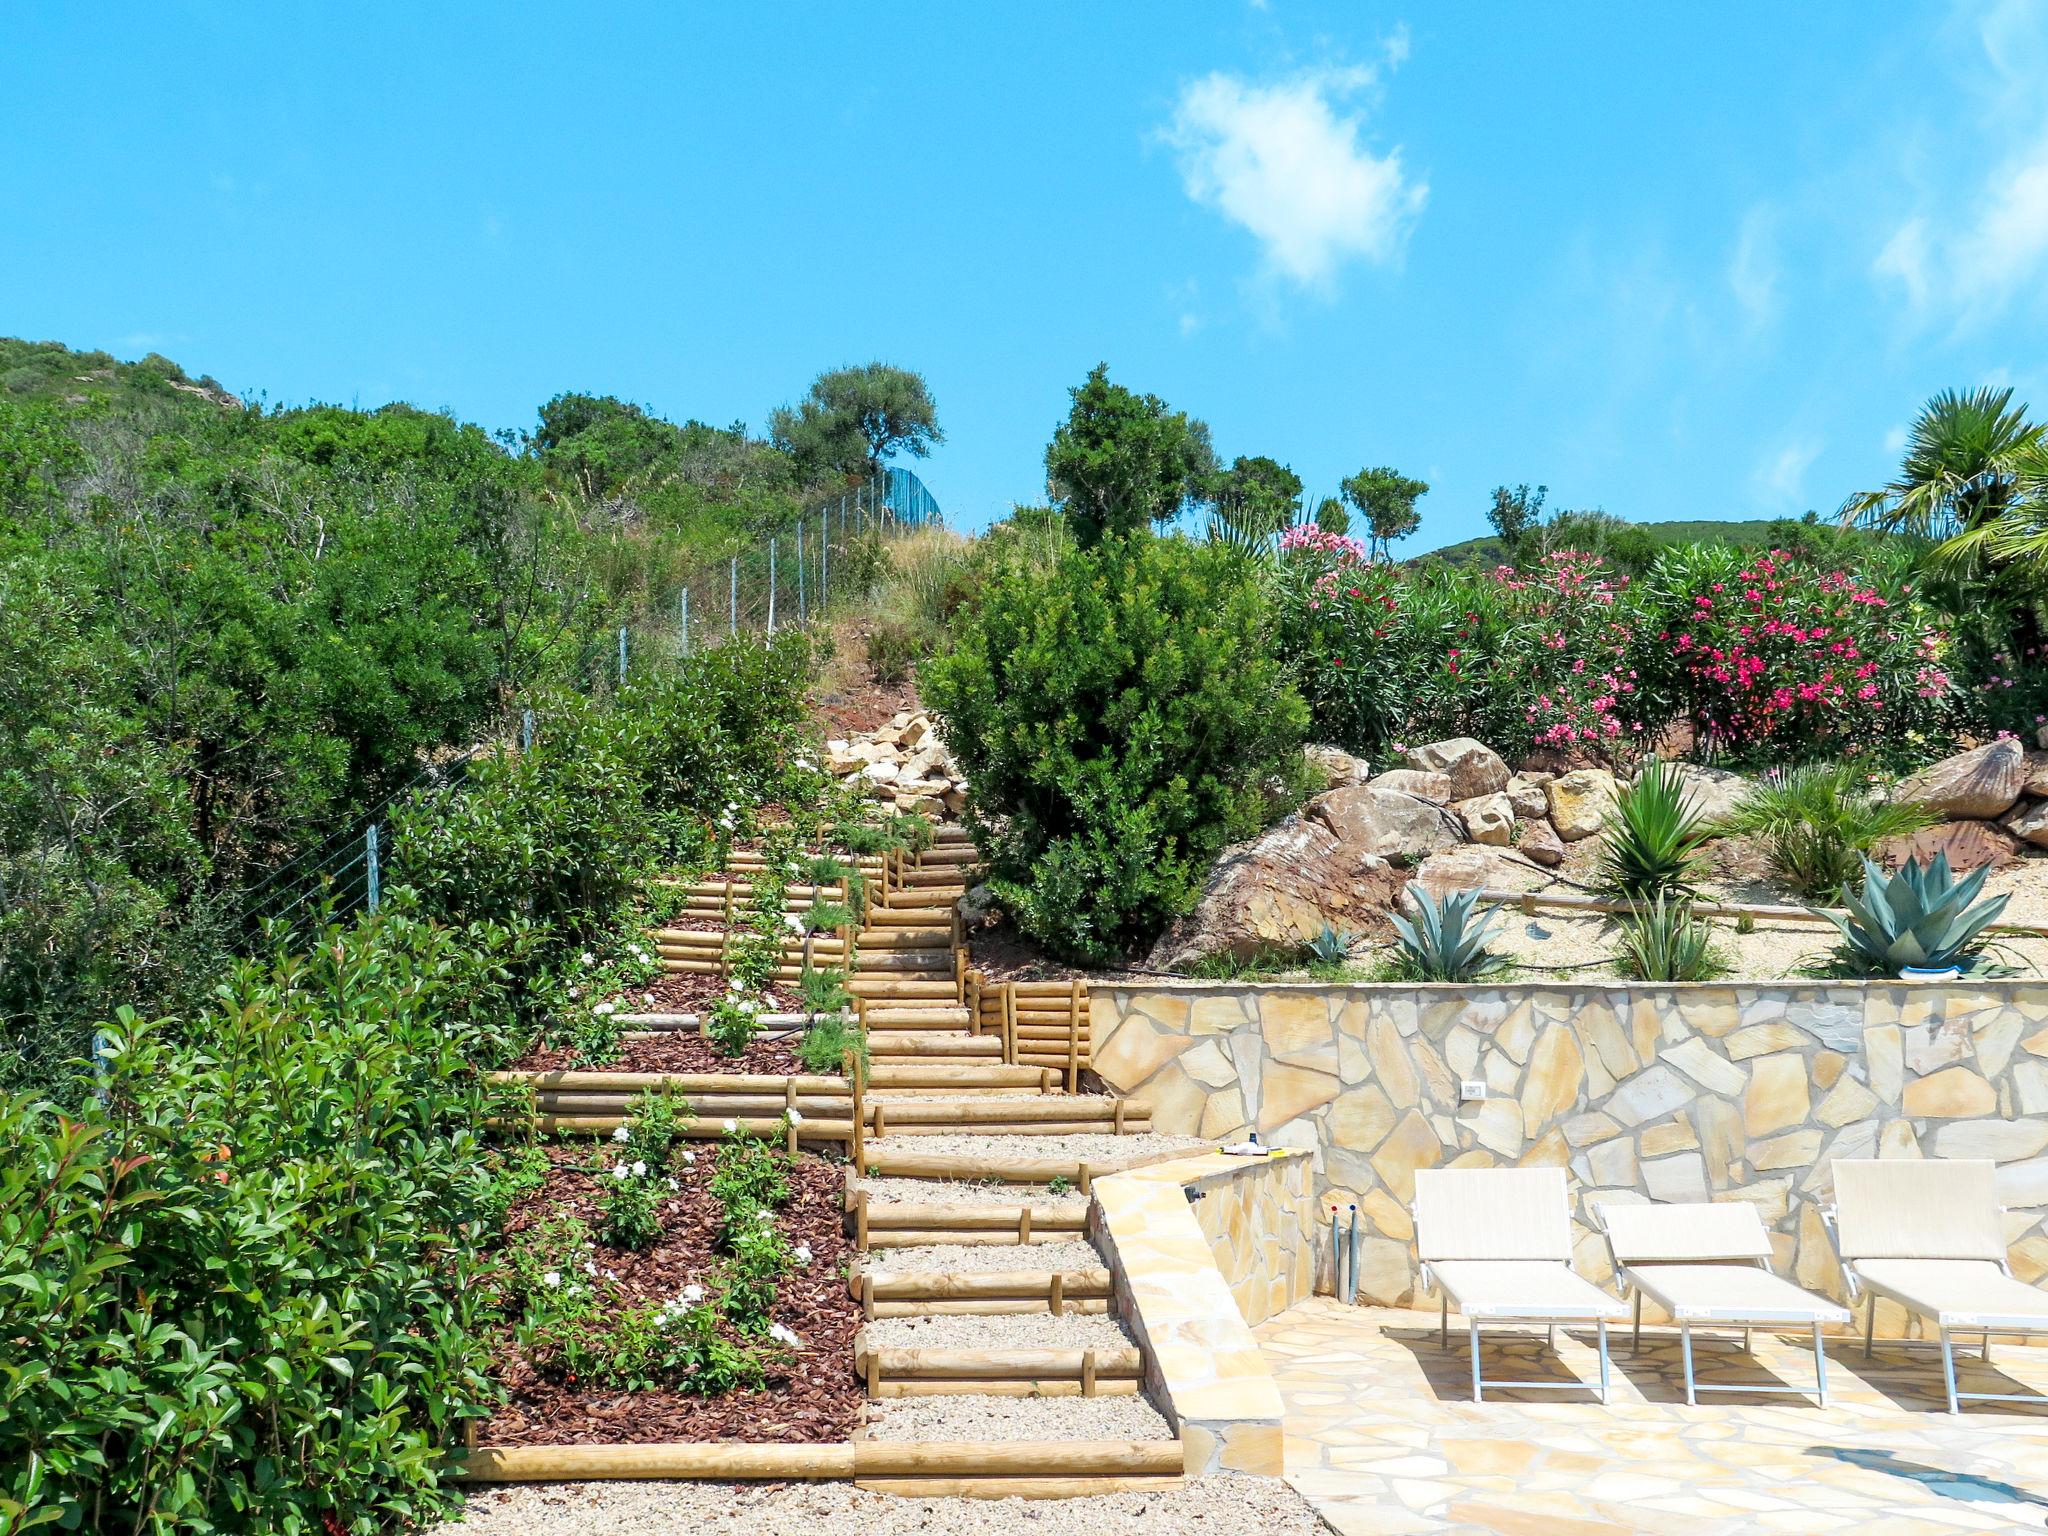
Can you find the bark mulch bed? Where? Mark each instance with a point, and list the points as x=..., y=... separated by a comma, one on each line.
x=673, y=992
x=674, y=1051
x=816, y=1400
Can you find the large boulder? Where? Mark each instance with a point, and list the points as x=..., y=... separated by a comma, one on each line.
x=1488, y=819
x=1474, y=767
x=1537, y=839
x=1969, y=845
x=1279, y=890
x=1386, y=823
x=1473, y=868
x=1975, y=785
x=2029, y=821
x=1714, y=792
x=1338, y=767
x=1526, y=795
x=1433, y=787
x=1581, y=801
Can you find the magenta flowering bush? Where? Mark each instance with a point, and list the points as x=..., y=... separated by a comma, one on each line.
x=1763, y=655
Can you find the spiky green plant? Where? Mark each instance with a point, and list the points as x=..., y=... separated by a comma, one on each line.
x=1919, y=917
x=1445, y=941
x=1816, y=822
x=1330, y=947
x=1652, y=843
x=1662, y=940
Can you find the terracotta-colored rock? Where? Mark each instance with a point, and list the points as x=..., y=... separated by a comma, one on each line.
x=1489, y=819
x=1537, y=839
x=1281, y=888
x=1385, y=823
x=1970, y=845
x=2028, y=821
x=1474, y=767
x=1433, y=787
x=1580, y=802
x=1982, y=782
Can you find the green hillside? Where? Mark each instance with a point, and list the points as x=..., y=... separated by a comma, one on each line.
x=1630, y=545
x=49, y=370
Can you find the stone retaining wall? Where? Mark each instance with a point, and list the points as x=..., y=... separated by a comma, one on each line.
x=1199, y=1249
x=1681, y=1092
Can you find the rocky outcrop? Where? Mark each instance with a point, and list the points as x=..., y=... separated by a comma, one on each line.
x=1474, y=868
x=904, y=765
x=1525, y=794
x=1385, y=823
x=2029, y=822
x=1433, y=787
x=1981, y=783
x=1581, y=801
x=1280, y=890
x=1488, y=819
x=1473, y=767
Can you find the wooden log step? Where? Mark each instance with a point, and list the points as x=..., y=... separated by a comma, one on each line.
x=1039, y=1109
x=952, y=857
x=677, y=1082
x=1013, y=1308
x=895, y=1364
x=899, y=988
x=911, y=917
x=893, y=1465
x=1061, y=1487
x=706, y=1106
x=925, y=896
x=1053, y=1388
x=961, y=1237
x=905, y=1215
x=997, y=1285
x=935, y=1045
x=890, y=1016
x=904, y=936
x=966, y=1075
x=892, y=1130
x=832, y=1131
x=904, y=1163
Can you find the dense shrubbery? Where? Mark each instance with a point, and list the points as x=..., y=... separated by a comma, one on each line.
x=238, y=1297
x=1117, y=709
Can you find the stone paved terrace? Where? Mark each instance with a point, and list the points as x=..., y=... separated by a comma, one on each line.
x=1382, y=1437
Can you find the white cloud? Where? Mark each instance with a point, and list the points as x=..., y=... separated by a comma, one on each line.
x=1895, y=441
x=1781, y=478
x=1286, y=161
x=1753, y=269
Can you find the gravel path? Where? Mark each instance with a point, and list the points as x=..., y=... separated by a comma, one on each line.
x=1025, y=1331
x=1106, y=1151
x=945, y=1257
x=961, y=1192
x=1210, y=1506
x=1017, y=1418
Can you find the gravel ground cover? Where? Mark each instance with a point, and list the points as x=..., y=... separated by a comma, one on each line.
x=1210, y=1506
x=815, y=1398
x=1105, y=1151
x=1027, y=1331
x=948, y=1257
x=967, y=1192
x=1015, y=1418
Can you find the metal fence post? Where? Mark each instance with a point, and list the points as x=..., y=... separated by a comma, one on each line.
x=732, y=597
x=622, y=655
x=771, y=584
x=825, y=554
x=686, y=620
x=370, y=866
x=801, y=615
x=526, y=730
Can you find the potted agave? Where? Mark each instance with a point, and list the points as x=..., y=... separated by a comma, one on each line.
x=1918, y=924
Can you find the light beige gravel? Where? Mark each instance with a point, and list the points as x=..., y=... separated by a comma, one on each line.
x=1072, y=1330
x=952, y=1257
x=962, y=1192
x=1102, y=1150
x=1017, y=1418
x=1210, y=1506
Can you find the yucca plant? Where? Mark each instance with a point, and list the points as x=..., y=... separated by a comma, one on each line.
x=1919, y=917
x=1446, y=942
x=1816, y=822
x=1654, y=834
x=1662, y=940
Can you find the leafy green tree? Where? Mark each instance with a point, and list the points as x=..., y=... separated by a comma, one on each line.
x=854, y=419
x=1118, y=711
x=1386, y=498
x=1516, y=514
x=1122, y=461
x=1332, y=516
x=1258, y=496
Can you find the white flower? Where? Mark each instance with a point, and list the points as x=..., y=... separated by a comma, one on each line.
x=795, y=1118
x=622, y=1134
x=725, y=822
x=574, y=993
x=765, y=1217
x=693, y=1293
x=732, y=805
x=611, y=1274
x=731, y=1126
x=796, y=924
x=672, y=1184
x=603, y=1009
x=803, y=1253
x=586, y=958
x=589, y=1268
x=782, y=1335
x=647, y=998
x=733, y=985
x=747, y=1005
x=639, y=1170
x=689, y=1156
x=552, y=1279
x=620, y=1172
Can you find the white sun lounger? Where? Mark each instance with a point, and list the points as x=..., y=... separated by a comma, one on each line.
x=1710, y=1265
x=1927, y=1235
x=1498, y=1243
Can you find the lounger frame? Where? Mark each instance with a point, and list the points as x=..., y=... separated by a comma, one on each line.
x=1480, y=1382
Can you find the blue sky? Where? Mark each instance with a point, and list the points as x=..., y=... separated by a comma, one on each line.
x=1670, y=260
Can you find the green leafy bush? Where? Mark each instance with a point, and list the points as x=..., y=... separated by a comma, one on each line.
x=894, y=649
x=242, y=1297
x=1651, y=845
x=1816, y=822
x=1117, y=713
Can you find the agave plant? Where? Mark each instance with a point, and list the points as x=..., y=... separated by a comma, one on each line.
x=1663, y=941
x=1653, y=839
x=1445, y=942
x=1919, y=917
x=1330, y=947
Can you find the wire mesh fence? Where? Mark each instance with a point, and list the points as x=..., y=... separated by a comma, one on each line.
x=785, y=578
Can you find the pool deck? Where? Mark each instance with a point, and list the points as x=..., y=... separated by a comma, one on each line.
x=1381, y=1435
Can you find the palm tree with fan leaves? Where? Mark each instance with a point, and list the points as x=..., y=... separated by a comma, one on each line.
x=1961, y=471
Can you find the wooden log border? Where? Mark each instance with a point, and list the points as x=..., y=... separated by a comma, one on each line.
x=1157, y=1461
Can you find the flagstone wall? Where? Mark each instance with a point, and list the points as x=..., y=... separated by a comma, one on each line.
x=1681, y=1092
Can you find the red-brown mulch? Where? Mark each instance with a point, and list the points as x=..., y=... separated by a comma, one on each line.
x=674, y=992
x=816, y=1400
x=675, y=1050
